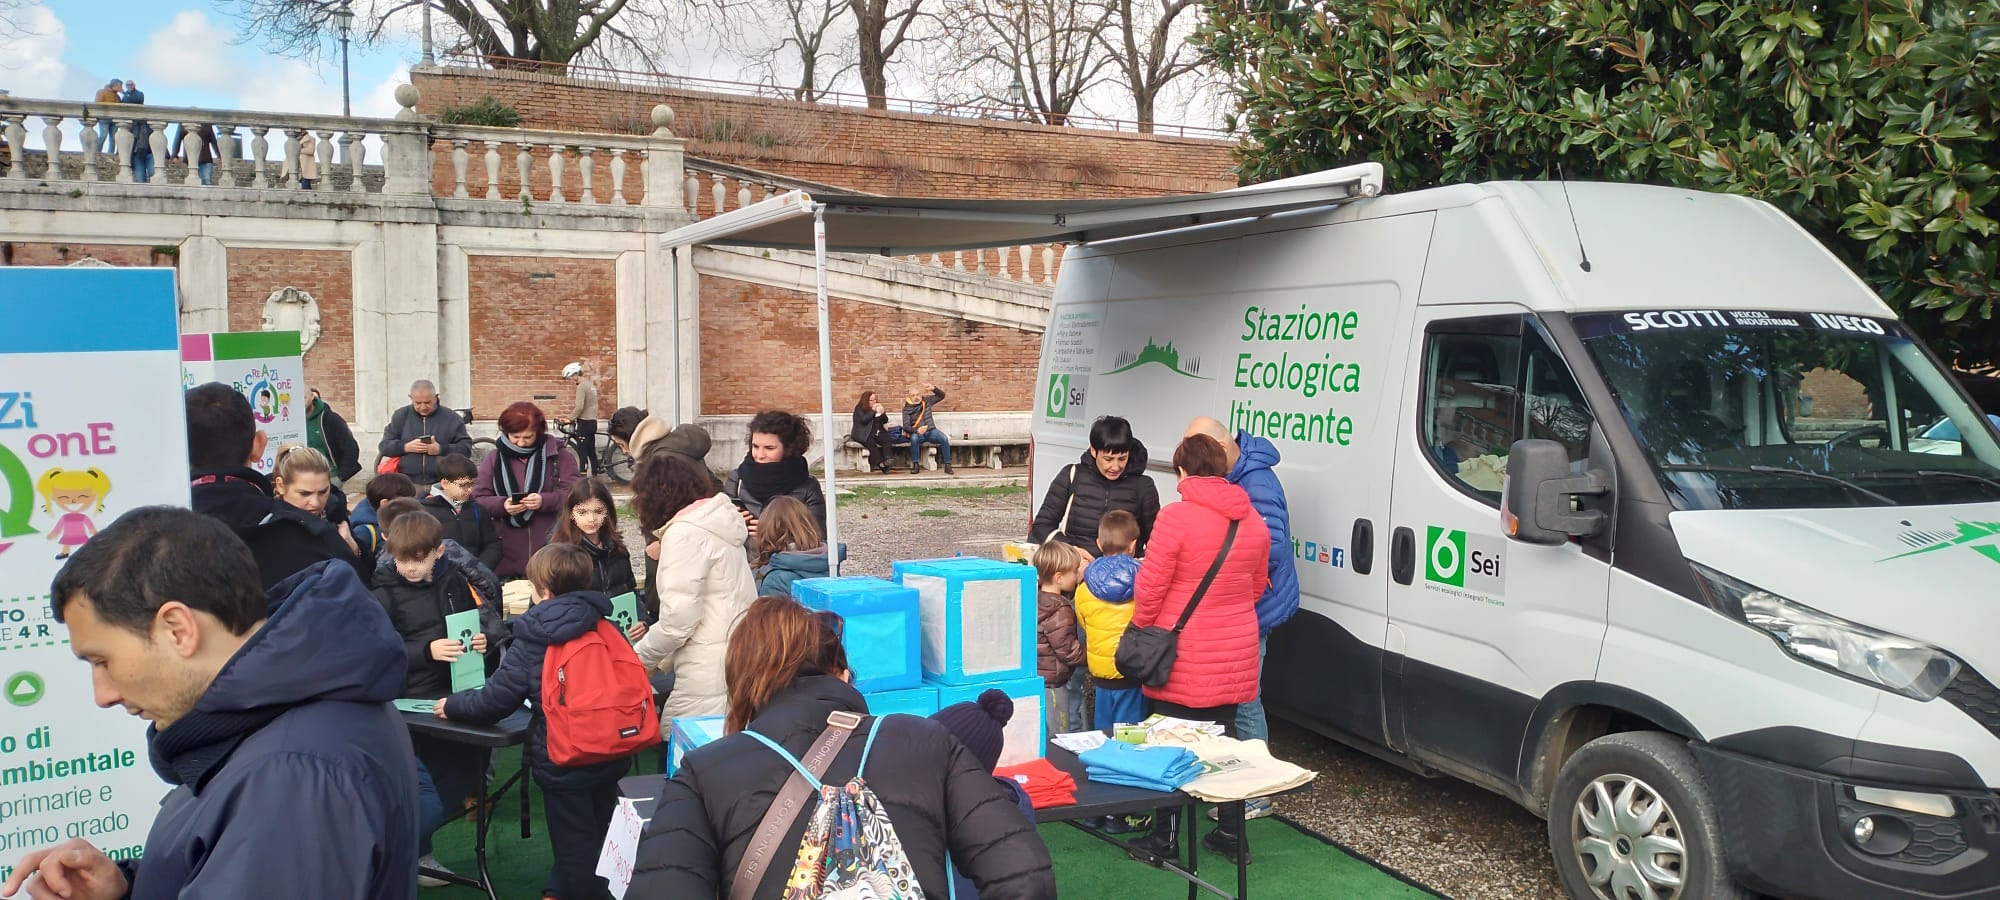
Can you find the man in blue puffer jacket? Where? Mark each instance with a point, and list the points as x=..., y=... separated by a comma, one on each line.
x=1251, y=460
x=291, y=773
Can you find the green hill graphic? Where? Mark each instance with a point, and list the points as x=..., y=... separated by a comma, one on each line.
x=1164, y=355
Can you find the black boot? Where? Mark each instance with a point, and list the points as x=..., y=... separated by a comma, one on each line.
x=1159, y=845
x=1227, y=838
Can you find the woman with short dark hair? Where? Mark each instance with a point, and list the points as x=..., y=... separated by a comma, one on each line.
x=775, y=466
x=522, y=484
x=1111, y=475
x=871, y=431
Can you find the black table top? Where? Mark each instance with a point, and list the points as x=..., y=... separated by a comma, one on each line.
x=1093, y=798
x=505, y=733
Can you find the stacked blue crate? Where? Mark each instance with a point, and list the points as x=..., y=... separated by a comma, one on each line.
x=688, y=733
x=978, y=618
x=916, y=701
x=879, y=628
x=1027, y=733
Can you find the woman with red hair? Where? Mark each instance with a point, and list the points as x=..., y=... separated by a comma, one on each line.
x=522, y=484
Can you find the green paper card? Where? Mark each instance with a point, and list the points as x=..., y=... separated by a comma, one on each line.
x=417, y=706
x=625, y=611
x=468, y=671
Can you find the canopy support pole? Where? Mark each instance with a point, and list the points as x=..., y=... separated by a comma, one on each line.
x=826, y=434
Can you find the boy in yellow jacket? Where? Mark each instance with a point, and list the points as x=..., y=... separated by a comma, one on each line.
x=1104, y=606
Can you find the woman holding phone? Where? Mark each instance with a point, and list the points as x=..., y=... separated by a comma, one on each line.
x=522, y=484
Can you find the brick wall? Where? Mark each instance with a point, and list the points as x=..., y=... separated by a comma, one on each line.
x=760, y=350
x=530, y=317
x=329, y=277
x=881, y=152
x=25, y=254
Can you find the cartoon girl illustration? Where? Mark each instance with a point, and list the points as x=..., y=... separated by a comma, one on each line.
x=75, y=491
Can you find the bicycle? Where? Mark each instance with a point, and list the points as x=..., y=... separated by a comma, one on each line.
x=605, y=458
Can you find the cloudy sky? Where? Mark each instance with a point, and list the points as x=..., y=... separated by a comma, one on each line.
x=184, y=53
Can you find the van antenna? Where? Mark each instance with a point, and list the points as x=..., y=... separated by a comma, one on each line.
x=1585, y=265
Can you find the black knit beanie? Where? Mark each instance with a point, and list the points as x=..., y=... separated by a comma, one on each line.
x=979, y=726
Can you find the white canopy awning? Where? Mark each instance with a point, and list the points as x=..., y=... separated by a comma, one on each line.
x=900, y=226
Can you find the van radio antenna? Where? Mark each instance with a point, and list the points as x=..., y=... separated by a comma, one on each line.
x=1585, y=265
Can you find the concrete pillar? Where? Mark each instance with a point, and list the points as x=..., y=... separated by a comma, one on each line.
x=666, y=157
x=671, y=381
x=203, y=279
x=374, y=398
x=410, y=291
x=454, y=322
x=632, y=303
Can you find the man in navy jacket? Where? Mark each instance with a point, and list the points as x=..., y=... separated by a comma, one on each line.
x=291, y=772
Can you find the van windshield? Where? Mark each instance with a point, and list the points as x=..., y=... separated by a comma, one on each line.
x=1752, y=410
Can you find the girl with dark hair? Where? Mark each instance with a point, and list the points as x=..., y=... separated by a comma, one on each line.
x=776, y=466
x=871, y=431
x=1110, y=475
x=521, y=483
x=787, y=676
x=590, y=520
x=703, y=581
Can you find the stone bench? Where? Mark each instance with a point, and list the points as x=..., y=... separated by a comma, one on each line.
x=990, y=452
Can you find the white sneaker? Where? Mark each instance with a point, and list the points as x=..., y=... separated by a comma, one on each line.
x=430, y=862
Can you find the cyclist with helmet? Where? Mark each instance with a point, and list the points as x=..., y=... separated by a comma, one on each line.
x=585, y=417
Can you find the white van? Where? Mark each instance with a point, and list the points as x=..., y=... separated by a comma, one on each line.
x=1645, y=544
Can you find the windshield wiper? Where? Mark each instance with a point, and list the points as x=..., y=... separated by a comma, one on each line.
x=1795, y=473
x=1931, y=473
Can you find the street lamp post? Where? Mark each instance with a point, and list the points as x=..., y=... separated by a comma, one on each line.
x=343, y=19
x=1019, y=96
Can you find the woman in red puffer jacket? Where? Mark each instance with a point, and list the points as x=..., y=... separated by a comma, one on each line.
x=1215, y=667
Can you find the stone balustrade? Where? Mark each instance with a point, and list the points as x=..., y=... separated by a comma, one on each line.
x=406, y=155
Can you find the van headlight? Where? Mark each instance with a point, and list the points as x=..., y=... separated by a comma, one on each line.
x=1857, y=651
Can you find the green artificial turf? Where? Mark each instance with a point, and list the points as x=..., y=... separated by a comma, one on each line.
x=1288, y=863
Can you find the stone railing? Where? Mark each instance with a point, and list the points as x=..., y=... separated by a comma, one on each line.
x=715, y=187
x=406, y=155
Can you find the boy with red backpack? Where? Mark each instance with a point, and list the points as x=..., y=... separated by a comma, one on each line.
x=593, y=709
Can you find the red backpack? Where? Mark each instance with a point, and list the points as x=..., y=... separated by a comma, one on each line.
x=597, y=699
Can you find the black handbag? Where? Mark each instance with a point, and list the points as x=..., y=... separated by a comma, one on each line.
x=1146, y=655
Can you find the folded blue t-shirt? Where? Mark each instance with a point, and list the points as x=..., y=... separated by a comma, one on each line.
x=1155, y=768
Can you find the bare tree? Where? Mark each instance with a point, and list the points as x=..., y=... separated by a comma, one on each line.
x=1049, y=47
x=812, y=50
x=880, y=27
x=502, y=32
x=1149, y=42
x=13, y=18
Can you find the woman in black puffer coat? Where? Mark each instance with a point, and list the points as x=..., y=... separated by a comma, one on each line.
x=1111, y=475
x=787, y=673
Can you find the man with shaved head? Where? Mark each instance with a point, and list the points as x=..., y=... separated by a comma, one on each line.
x=423, y=433
x=1251, y=459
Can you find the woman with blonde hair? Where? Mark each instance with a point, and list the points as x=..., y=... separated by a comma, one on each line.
x=789, y=547
x=789, y=684
x=301, y=489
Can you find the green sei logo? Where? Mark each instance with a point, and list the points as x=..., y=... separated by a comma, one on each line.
x=1058, y=396
x=1065, y=396
x=1452, y=558
x=1444, y=557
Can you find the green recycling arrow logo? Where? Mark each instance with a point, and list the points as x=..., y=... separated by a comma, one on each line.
x=20, y=497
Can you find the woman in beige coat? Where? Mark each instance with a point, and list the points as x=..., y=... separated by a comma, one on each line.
x=704, y=581
x=308, y=170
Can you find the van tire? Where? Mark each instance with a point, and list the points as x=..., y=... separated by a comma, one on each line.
x=1645, y=770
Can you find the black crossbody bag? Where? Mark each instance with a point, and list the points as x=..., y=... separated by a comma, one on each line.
x=1147, y=654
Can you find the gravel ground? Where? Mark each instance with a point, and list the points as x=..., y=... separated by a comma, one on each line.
x=1446, y=835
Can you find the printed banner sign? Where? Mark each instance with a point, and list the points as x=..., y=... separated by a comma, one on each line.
x=267, y=368
x=90, y=427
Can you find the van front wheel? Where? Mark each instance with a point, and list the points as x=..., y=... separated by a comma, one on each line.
x=1631, y=819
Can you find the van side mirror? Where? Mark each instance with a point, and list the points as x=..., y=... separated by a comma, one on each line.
x=1537, y=503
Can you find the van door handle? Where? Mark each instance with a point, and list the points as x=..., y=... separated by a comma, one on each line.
x=1403, y=555
x=1361, y=548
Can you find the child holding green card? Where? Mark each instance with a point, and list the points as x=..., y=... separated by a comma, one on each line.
x=426, y=595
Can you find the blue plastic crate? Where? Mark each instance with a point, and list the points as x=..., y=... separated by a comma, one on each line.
x=1027, y=733
x=978, y=618
x=879, y=628
x=688, y=733
x=916, y=701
